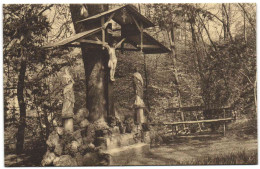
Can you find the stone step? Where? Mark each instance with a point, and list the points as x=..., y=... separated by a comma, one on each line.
x=124, y=155
x=121, y=140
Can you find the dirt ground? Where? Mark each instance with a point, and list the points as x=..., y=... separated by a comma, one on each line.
x=179, y=150
x=187, y=149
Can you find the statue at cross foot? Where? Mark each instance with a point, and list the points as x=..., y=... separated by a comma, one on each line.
x=68, y=102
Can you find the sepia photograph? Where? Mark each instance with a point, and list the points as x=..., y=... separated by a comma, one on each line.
x=129, y=84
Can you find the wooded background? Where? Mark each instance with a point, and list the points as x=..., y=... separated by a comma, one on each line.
x=212, y=63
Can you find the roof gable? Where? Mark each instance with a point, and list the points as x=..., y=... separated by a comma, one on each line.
x=120, y=20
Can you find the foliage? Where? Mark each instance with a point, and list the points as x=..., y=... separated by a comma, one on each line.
x=239, y=158
x=214, y=70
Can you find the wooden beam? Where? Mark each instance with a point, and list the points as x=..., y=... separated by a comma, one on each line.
x=73, y=38
x=103, y=31
x=118, y=29
x=142, y=36
x=101, y=14
x=128, y=49
x=148, y=46
x=73, y=45
x=107, y=22
x=201, y=121
x=136, y=23
x=196, y=108
x=90, y=41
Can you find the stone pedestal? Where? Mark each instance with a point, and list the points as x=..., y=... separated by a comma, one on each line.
x=68, y=125
x=122, y=148
x=140, y=118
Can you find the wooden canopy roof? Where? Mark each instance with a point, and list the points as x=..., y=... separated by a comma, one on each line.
x=132, y=29
x=150, y=45
x=118, y=16
x=73, y=38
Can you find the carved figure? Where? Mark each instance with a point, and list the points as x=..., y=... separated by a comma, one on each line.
x=112, y=56
x=138, y=88
x=68, y=94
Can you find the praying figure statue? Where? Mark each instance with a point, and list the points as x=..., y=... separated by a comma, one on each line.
x=68, y=102
x=139, y=103
x=138, y=88
x=112, y=56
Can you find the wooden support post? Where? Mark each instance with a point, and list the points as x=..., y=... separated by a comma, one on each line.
x=172, y=131
x=142, y=36
x=111, y=109
x=122, y=48
x=103, y=30
x=110, y=87
x=198, y=120
x=176, y=129
x=224, y=123
x=182, y=118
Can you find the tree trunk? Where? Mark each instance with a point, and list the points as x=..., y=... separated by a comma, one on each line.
x=22, y=106
x=146, y=84
x=174, y=56
x=5, y=111
x=224, y=22
x=227, y=23
x=245, y=37
x=95, y=62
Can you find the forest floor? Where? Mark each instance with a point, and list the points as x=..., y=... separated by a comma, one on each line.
x=179, y=151
x=185, y=150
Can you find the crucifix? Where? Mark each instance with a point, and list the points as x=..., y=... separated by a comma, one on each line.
x=124, y=15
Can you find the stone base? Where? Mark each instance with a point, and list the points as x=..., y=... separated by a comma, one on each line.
x=116, y=141
x=123, y=148
x=123, y=155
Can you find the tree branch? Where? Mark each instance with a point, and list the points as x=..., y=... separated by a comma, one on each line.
x=48, y=7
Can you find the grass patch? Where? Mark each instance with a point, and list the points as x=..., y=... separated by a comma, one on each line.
x=239, y=158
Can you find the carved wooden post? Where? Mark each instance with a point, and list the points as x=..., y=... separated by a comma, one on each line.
x=68, y=102
x=110, y=99
x=95, y=62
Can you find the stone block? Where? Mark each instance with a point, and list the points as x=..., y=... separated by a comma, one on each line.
x=58, y=149
x=114, y=130
x=48, y=158
x=124, y=155
x=81, y=115
x=146, y=137
x=79, y=159
x=65, y=161
x=59, y=130
x=77, y=134
x=84, y=123
x=53, y=140
x=115, y=141
x=68, y=125
x=91, y=159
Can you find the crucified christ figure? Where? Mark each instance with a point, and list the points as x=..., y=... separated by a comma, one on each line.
x=112, y=56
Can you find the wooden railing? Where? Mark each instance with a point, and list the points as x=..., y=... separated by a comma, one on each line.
x=223, y=119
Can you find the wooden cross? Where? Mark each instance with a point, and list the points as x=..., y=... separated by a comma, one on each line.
x=124, y=15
